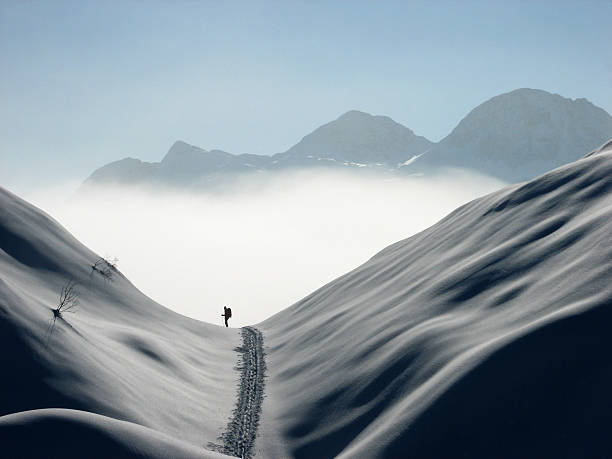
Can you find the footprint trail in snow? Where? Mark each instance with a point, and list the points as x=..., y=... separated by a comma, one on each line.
x=239, y=436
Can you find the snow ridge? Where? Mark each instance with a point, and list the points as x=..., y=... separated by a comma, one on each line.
x=239, y=436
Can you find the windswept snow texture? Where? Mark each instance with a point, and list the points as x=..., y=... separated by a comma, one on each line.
x=487, y=335
x=70, y=433
x=120, y=355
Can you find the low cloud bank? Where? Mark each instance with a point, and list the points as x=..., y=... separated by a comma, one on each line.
x=262, y=246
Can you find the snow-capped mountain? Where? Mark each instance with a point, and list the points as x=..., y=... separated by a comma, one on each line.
x=356, y=138
x=519, y=135
x=514, y=137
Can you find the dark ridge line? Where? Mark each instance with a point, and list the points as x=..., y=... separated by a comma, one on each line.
x=241, y=430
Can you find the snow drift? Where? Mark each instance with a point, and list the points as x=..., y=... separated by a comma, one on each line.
x=486, y=335
x=71, y=433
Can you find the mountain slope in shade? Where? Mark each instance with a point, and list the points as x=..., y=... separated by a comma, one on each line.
x=486, y=335
x=127, y=171
x=120, y=355
x=70, y=433
x=359, y=138
x=519, y=135
x=186, y=165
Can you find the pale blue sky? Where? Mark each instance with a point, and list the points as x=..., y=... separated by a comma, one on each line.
x=83, y=83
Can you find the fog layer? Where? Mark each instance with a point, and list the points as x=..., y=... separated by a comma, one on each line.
x=257, y=249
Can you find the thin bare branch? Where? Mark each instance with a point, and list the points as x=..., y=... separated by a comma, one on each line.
x=69, y=298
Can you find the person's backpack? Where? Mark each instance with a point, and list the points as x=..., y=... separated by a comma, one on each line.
x=228, y=313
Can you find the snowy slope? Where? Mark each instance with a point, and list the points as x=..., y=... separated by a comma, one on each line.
x=519, y=135
x=487, y=335
x=121, y=355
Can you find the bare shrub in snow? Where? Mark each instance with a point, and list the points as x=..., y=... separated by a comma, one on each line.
x=105, y=266
x=69, y=299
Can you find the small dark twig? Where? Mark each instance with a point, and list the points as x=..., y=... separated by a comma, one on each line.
x=105, y=267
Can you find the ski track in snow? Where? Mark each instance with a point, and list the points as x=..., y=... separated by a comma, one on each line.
x=239, y=436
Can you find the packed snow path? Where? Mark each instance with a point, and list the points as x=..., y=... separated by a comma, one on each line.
x=239, y=436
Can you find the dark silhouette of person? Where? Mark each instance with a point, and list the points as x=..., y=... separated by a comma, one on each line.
x=227, y=313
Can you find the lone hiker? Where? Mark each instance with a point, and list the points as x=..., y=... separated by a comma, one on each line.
x=227, y=313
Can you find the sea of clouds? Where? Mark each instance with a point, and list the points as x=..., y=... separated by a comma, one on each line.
x=260, y=245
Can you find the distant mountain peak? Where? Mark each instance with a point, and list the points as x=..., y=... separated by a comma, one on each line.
x=518, y=135
x=514, y=136
x=538, y=97
x=529, y=91
x=180, y=149
x=355, y=114
x=181, y=144
x=360, y=138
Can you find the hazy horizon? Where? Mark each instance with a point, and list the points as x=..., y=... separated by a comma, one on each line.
x=86, y=83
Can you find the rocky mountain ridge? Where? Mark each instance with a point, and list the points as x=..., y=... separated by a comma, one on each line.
x=514, y=137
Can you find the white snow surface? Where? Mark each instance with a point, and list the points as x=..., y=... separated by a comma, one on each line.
x=486, y=335
x=120, y=355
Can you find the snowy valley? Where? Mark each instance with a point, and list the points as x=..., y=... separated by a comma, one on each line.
x=484, y=335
